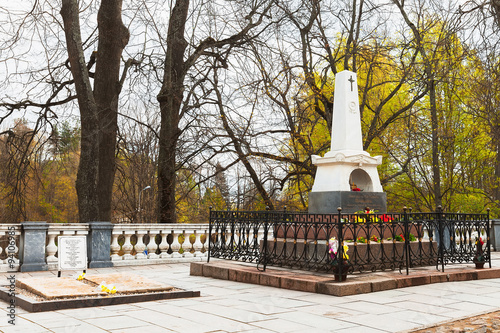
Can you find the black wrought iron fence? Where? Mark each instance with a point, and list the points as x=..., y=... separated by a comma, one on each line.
x=374, y=241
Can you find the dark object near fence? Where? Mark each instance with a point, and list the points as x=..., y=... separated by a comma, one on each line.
x=376, y=242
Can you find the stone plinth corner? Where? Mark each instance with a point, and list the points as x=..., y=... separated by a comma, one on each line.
x=99, y=244
x=32, y=246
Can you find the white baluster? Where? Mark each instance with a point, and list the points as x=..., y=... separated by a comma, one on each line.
x=140, y=246
x=186, y=246
x=16, y=248
x=205, y=243
x=228, y=240
x=198, y=245
x=152, y=245
x=127, y=246
x=426, y=234
x=164, y=246
x=115, y=246
x=260, y=234
x=51, y=248
x=3, y=263
x=175, y=246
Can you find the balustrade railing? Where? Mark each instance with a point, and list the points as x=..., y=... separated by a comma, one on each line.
x=9, y=247
x=279, y=238
x=59, y=229
x=131, y=244
x=158, y=243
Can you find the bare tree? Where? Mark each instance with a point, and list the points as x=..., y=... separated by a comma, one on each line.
x=98, y=105
x=176, y=66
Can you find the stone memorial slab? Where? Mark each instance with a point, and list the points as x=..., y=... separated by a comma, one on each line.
x=351, y=202
x=53, y=287
x=52, y=293
x=72, y=252
x=128, y=283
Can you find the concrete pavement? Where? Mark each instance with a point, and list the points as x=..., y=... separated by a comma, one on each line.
x=228, y=306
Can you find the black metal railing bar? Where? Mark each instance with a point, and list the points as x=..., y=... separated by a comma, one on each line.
x=376, y=242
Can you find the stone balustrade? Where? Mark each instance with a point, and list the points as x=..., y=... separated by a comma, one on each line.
x=59, y=229
x=143, y=244
x=9, y=247
x=131, y=244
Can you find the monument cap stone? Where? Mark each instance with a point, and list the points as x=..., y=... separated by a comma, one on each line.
x=346, y=129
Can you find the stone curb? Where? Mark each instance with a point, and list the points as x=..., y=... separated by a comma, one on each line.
x=325, y=284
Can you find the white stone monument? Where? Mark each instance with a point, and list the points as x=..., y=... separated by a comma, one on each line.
x=347, y=176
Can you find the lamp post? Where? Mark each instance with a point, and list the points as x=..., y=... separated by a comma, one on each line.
x=139, y=205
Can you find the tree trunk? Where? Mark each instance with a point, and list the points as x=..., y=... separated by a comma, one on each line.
x=113, y=37
x=170, y=99
x=496, y=144
x=98, y=107
x=431, y=84
x=86, y=181
x=436, y=172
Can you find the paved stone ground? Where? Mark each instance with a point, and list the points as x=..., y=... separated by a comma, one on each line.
x=228, y=306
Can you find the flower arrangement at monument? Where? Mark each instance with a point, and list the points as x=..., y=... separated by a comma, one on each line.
x=361, y=239
x=479, y=258
x=386, y=218
x=339, y=265
x=369, y=215
x=365, y=215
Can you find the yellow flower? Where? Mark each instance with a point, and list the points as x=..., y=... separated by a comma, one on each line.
x=345, y=255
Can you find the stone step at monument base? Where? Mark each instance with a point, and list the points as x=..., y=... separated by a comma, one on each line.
x=350, y=202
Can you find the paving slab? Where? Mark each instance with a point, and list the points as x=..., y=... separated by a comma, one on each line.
x=231, y=306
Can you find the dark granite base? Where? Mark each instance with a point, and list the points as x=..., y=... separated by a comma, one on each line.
x=32, y=246
x=33, y=267
x=75, y=303
x=99, y=244
x=100, y=264
x=350, y=202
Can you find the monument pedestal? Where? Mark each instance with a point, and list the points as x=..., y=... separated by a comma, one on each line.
x=350, y=202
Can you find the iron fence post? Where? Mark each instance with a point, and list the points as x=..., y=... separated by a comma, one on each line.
x=340, y=251
x=209, y=233
x=407, y=241
x=488, y=235
x=266, y=232
x=441, y=236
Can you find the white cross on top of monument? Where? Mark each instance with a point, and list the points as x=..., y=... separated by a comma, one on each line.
x=346, y=164
x=346, y=129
